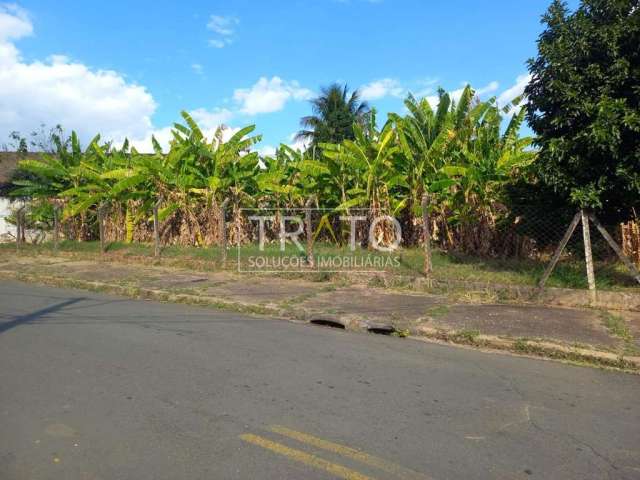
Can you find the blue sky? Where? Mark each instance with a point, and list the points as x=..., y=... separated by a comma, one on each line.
x=128, y=68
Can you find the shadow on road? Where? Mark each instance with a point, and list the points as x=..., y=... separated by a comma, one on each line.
x=22, y=319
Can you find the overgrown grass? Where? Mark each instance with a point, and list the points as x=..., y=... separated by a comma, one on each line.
x=569, y=273
x=616, y=325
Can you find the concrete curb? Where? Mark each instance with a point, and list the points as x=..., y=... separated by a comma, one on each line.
x=532, y=348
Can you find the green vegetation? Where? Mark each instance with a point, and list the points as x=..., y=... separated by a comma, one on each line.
x=456, y=152
x=521, y=345
x=584, y=105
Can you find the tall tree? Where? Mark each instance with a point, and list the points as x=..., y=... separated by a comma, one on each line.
x=334, y=113
x=584, y=104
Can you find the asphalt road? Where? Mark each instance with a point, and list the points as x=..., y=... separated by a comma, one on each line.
x=98, y=387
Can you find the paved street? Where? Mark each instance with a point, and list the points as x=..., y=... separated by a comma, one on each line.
x=99, y=387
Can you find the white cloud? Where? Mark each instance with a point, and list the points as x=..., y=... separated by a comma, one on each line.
x=267, y=96
x=381, y=88
x=197, y=68
x=267, y=151
x=224, y=27
x=208, y=121
x=14, y=22
x=490, y=88
x=59, y=91
x=211, y=119
x=515, y=90
x=143, y=143
x=221, y=25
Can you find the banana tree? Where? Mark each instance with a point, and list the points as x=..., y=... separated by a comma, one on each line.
x=487, y=160
x=49, y=177
x=474, y=185
x=372, y=159
x=425, y=137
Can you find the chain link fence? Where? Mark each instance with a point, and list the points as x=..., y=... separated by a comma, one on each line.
x=511, y=246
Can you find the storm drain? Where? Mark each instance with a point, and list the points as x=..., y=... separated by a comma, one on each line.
x=382, y=329
x=325, y=322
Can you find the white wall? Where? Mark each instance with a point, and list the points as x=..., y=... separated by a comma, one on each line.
x=6, y=229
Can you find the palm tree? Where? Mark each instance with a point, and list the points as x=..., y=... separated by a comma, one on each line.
x=334, y=113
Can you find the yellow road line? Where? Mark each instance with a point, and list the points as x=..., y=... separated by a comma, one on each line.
x=304, y=457
x=352, y=453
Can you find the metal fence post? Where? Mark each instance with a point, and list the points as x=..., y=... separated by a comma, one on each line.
x=591, y=280
x=156, y=229
x=428, y=265
x=307, y=221
x=223, y=231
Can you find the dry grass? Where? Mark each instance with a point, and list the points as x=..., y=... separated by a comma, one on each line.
x=447, y=267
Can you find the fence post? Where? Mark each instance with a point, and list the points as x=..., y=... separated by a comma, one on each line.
x=156, y=229
x=23, y=227
x=19, y=228
x=223, y=231
x=56, y=228
x=18, y=231
x=588, y=258
x=428, y=265
x=309, y=231
x=101, y=226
